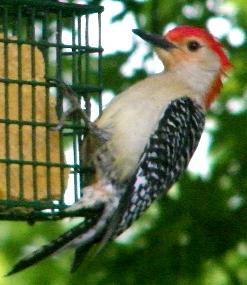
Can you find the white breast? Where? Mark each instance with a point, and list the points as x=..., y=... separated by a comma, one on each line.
x=133, y=116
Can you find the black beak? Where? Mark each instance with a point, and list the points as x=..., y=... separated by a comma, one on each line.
x=154, y=39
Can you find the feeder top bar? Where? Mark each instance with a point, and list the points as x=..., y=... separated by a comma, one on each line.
x=67, y=9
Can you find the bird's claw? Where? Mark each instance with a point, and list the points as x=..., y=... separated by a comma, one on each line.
x=69, y=93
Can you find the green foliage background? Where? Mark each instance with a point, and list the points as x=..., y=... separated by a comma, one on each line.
x=196, y=236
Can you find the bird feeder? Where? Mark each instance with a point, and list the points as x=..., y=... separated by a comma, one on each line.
x=43, y=43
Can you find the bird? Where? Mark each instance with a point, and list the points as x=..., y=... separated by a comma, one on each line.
x=144, y=139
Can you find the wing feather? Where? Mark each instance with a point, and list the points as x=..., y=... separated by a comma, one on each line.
x=164, y=159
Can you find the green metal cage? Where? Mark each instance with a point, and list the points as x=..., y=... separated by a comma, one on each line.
x=41, y=171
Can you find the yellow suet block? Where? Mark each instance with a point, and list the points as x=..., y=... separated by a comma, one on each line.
x=33, y=144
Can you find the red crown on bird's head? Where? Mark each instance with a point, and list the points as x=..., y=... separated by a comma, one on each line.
x=180, y=32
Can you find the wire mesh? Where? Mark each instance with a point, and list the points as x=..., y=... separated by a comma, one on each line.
x=41, y=172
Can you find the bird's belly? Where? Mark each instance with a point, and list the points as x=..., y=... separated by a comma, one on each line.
x=127, y=147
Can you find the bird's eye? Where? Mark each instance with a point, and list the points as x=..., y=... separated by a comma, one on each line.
x=193, y=46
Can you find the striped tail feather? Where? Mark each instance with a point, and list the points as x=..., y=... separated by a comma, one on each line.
x=52, y=247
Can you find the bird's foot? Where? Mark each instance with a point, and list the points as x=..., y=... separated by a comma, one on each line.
x=69, y=93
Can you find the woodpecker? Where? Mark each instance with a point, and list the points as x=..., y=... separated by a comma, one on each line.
x=145, y=138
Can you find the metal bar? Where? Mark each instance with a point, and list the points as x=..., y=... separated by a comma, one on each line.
x=57, y=213
x=59, y=23
x=46, y=44
x=6, y=93
x=81, y=89
x=31, y=36
x=39, y=124
x=100, y=79
x=20, y=102
x=80, y=82
x=75, y=80
x=67, y=8
x=82, y=49
x=38, y=163
x=86, y=97
x=32, y=204
x=47, y=99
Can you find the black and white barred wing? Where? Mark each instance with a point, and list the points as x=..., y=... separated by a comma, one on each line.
x=164, y=159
